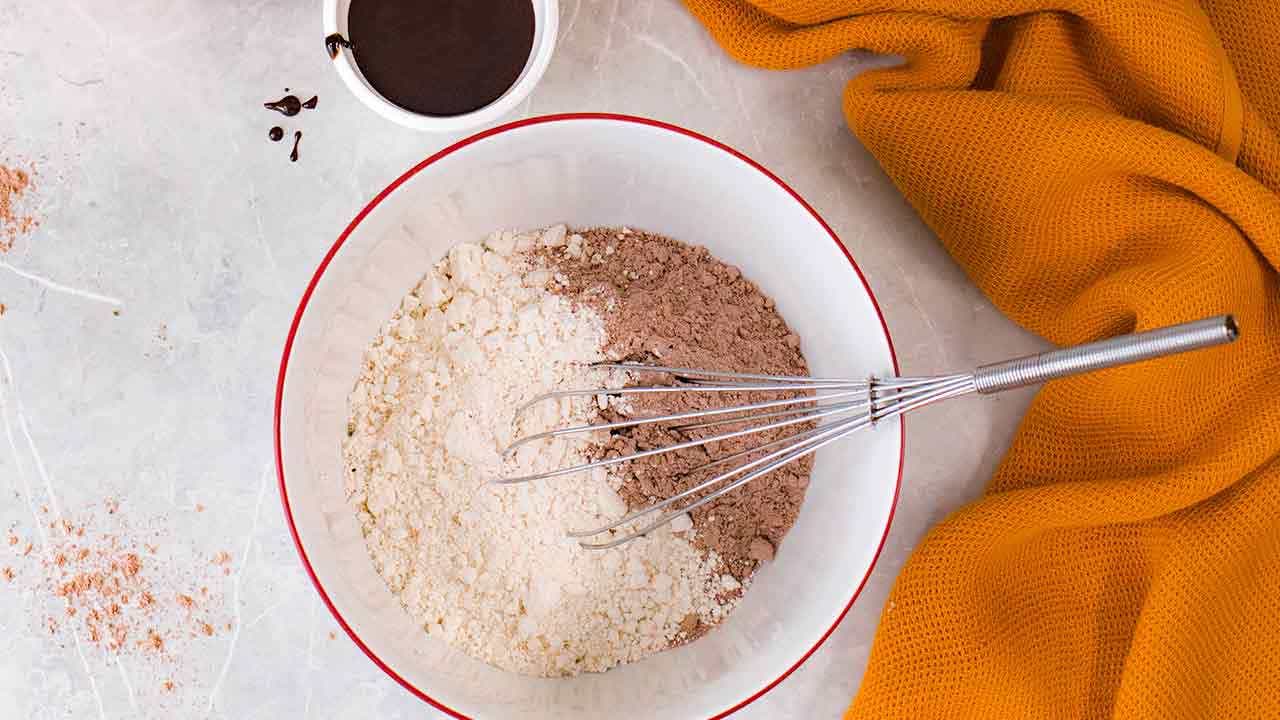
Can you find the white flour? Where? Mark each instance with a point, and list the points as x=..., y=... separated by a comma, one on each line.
x=488, y=568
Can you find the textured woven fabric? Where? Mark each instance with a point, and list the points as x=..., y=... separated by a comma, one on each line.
x=1096, y=166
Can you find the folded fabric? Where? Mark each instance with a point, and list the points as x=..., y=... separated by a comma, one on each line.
x=1096, y=166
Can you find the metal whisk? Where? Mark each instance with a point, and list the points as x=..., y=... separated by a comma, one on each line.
x=838, y=407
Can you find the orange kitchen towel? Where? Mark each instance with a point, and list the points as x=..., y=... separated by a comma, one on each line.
x=1096, y=166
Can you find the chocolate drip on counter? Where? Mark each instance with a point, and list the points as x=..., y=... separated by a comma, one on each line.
x=276, y=134
x=290, y=105
x=297, y=136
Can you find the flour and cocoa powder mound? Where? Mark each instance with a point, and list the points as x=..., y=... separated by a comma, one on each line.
x=489, y=568
x=669, y=303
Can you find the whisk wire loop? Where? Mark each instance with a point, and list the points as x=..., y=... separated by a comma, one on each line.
x=825, y=409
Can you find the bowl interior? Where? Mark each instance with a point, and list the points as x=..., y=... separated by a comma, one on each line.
x=589, y=170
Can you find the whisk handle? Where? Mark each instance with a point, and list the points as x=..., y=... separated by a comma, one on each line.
x=1122, y=350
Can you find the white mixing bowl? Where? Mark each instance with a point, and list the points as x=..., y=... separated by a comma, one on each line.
x=592, y=170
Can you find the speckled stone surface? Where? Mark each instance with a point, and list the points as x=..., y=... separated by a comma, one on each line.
x=157, y=187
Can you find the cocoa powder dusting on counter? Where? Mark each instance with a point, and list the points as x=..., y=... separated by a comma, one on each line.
x=90, y=582
x=674, y=304
x=14, y=182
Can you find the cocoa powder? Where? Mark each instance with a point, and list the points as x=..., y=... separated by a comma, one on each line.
x=13, y=183
x=670, y=303
x=93, y=580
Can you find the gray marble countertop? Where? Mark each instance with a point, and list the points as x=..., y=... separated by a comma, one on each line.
x=156, y=187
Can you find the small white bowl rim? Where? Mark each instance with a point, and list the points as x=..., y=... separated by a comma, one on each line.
x=539, y=59
x=504, y=128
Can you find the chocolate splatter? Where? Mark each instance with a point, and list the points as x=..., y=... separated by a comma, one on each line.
x=335, y=41
x=290, y=105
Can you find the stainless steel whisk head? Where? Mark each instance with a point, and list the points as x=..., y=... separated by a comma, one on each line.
x=825, y=410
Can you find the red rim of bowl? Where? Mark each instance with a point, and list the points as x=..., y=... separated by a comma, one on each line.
x=324, y=264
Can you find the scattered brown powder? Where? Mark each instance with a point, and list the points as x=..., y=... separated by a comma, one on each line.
x=90, y=584
x=664, y=301
x=222, y=558
x=119, y=634
x=131, y=565
x=168, y=686
x=14, y=182
x=79, y=584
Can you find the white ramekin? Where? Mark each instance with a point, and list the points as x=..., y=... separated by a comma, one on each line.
x=546, y=22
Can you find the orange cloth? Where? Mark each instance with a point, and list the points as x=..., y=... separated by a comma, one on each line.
x=1096, y=166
